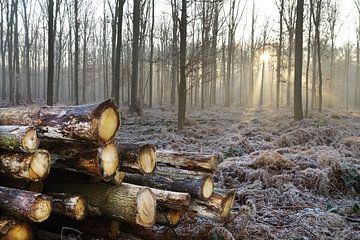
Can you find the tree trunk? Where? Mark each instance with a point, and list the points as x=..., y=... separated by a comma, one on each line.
x=217, y=207
x=307, y=68
x=151, y=54
x=182, y=85
x=214, y=53
x=76, y=61
x=94, y=122
x=197, y=187
x=51, y=42
x=11, y=228
x=31, y=166
x=18, y=138
x=279, y=55
x=298, y=111
x=174, y=51
x=135, y=57
x=16, y=56
x=27, y=53
x=127, y=202
x=71, y=206
x=171, y=200
x=28, y=205
x=116, y=82
x=137, y=158
x=188, y=160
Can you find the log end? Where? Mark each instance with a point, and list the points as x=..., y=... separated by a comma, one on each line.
x=30, y=141
x=118, y=178
x=147, y=159
x=173, y=217
x=41, y=210
x=228, y=204
x=146, y=208
x=208, y=187
x=109, y=123
x=80, y=208
x=20, y=231
x=108, y=160
x=40, y=165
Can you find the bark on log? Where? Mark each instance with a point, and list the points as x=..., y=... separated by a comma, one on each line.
x=217, y=207
x=31, y=166
x=18, y=138
x=137, y=158
x=94, y=122
x=9, y=182
x=171, y=200
x=72, y=206
x=29, y=205
x=199, y=186
x=126, y=202
x=178, y=172
x=84, y=157
x=12, y=229
x=188, y=160
x=168, y=217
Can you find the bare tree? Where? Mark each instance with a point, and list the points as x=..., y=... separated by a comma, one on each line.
x=279, y=55
x=174, y=54
x=134, y=106
x=182, y=85
x=151, y=53
x=26, y=20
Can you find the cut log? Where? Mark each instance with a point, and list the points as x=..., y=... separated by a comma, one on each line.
x=69, y=205
x=168, y=217
x=188, y=160
x=29, y=205
x=171, y=200
x=137, y=158
x=126, y=202
x=9, y=182
x=94, y=122
x=178, y=172
x=217, y=207
x=18, y=138
x=118, y=178
x=102, y=162
x=12, y=229
x=31, y=166
x=198, y=186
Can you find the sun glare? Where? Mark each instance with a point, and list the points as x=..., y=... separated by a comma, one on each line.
x=265, y=57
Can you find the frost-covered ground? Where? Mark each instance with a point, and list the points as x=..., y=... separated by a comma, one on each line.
x=294, y=180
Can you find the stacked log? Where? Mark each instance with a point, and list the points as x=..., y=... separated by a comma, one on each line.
x=94, y=180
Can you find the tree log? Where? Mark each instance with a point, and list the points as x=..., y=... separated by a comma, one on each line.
x=94, y=122
x=217, y=207
x=126, y=202
x=32, y=166
x=168, y=217
x=188, y=160
x=118, y=178
x=69, y=205
x=171, y=200
x=12, y=229
x=82, y=157
x=18, y=138
x=22, y=184
x=199, y=186
x=137, y=158
x=29, y=205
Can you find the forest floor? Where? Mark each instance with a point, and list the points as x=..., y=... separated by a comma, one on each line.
x=294, y=180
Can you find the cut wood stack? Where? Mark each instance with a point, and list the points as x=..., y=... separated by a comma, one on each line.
x=93, y=179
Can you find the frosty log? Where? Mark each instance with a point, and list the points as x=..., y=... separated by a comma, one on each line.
x=171, y=200
x=217, y=207
x=128, y=202
x=29, y=205
x=102, y=162
x=12, y=229
x=166, y=217
x=188, y=160
x=31, y=166
x=18, y=138
x=137, y=158
x=94, y=122
x=198, y=186
x=71, y=206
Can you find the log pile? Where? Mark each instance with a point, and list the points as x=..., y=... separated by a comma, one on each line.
x=60, y=167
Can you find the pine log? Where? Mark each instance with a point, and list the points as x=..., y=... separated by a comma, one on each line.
x=168, y=217
x=217, y=207
x=126, y=202
x=171, y=200
x=197, y=186
x=72, y=206
x=31, y=166
x=188, y=160
x=22, y=184
x=12, y=229
x=102, y=161
x=28, y=205
x=18, y=138
x=94, y=122
x=137, y=158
